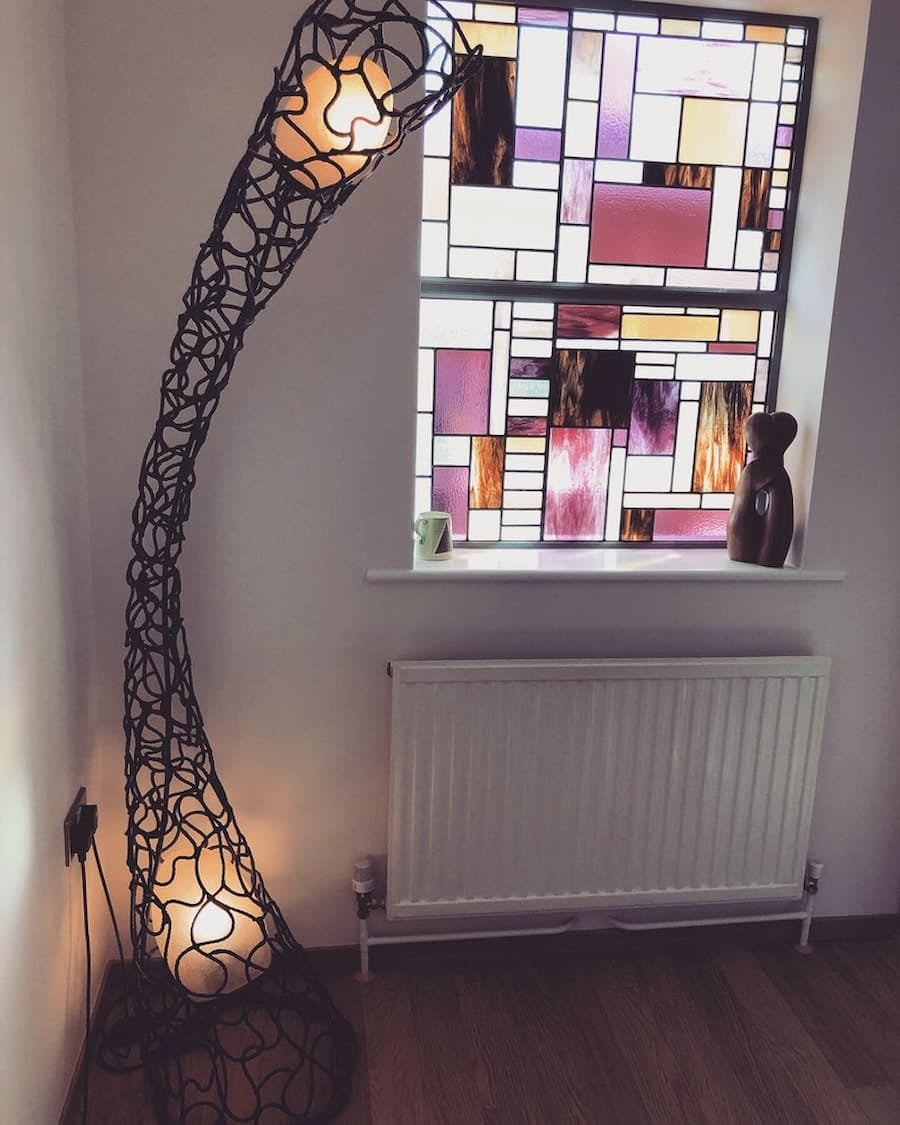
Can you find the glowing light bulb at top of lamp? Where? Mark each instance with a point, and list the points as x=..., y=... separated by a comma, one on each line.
x=343, y=118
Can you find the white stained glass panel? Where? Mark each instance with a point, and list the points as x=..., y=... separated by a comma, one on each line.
x=527, y=407
x=790, y=91
x=423, y=445
x=689, y=66
x=572, y=254
x=768, y=72
x=716, y=368
x=459, y=9
x=530, y=388
x=426, y=379
x=768, y=281
x=533, y=265
x=537, y=329
x=524, y=462
x=619, y=171
x=451, y=450
x=787, y=115
x=470, y=261
x=712, y=279
x=532, y=500
x=535, y=174
x=655, y=122
x=766, y=329
x=614, y=492
x=436, y=188
x=761, y=134
x=433, y=250
x=640, y=25
x=422, y=495
x=484, y=526
x=541, y=77
x=495, y=13
x=646, y=371
x=690, y=392
x=533, y=310
x=516, y=218
x=720, y=500
x=715, y=29
x=600, y=21
x=499, y=379
x=663, y=345
x=584, y=68
x=437, y=133
x=532, y=349
x=445, y=323
x=587, y=345
x=625, y=275
x=523, y=480
x=667, y=358
x=726, y=203
x=749, y=249
x=648, y=474
x=502, y=314
x=777, y=199
x=782, y=158
x=796, y=36
x=511, y=534
x=581, y=129
x=515, y=519
x=685, y=434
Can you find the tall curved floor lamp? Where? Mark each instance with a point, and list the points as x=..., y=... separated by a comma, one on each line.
x=234, y=1024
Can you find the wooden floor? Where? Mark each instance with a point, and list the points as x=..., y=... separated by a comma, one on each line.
x=727, y=1037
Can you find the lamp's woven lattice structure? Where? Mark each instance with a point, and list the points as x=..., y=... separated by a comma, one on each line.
x=235, y=1026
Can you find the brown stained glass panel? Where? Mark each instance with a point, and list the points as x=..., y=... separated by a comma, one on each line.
x=720, y=451
x=588, y=322
x=679, y=175
x=773, y=240
x=591, y=388
x=483, y=134
x=637, y=525
x=486, y=477
x=754, y=208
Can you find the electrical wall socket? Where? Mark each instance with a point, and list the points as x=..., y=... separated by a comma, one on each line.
x=71, y=821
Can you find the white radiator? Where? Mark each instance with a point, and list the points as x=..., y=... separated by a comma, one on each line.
x=524, y=786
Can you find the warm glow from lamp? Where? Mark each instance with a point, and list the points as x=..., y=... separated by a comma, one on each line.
x=209, y=930
x=339, y=119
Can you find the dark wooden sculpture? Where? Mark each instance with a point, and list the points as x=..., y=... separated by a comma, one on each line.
x=761, y=523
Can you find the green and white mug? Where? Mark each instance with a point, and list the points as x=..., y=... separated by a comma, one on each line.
x=434, y=536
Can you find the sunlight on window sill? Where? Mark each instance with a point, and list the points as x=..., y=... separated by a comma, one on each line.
x=595, y=565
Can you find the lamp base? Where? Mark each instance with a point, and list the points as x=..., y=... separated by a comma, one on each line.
x=276, y=1052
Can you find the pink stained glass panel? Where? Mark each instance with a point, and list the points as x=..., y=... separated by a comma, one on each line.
x=784, y=138
x=544, y=17
x=617, y=86
x=633, y=224
x=526, y=427
x=588, y=322
x=620, y=438
x=654, y=412
x=450, y=493
x=776, y=220
x=725, y=349
x=461, y=391
x=577, y=476
x=684, y=526
x=538, y=144
x=577, y=185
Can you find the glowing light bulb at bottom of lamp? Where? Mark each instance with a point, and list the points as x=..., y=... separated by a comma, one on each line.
x=213, y=941
x=342, y=118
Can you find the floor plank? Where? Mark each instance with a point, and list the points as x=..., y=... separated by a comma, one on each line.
x=795, y=1069
x=880, y=1104
x=396, y=1095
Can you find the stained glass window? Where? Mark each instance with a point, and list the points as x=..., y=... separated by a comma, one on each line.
x=608, y=209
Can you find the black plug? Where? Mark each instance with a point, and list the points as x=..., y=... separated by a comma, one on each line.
x=82, y=830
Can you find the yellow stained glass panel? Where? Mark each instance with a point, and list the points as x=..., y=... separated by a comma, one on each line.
x=498, y=40
x=740, y=325
x=681, y=27
x=779, y=179
x=641, y=327
x=765, y=34
x=713, y=131
x=526, y=444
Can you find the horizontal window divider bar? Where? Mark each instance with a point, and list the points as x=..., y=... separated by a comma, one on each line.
x=568, y=293
x=681, y=11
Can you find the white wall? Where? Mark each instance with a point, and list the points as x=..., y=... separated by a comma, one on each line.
x=306, y=478
x=45, y=647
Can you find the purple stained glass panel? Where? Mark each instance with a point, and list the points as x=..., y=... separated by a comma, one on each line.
x=577, y=186
x=462, y=391
x=620, y=438
x=577, y=475
x=538, y=144
x=654, y=413
x=776, y=220
x=696, y=525
x=588, y=322
x=526, y=427
x=450, y=493
x=530, y=368
x=649, y=226
x=545, y=17
x=617, y=85
x=784, y=138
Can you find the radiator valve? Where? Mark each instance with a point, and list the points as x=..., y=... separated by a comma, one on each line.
x=814, y=871
x=364, y=888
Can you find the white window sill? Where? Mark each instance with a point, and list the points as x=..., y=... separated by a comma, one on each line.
x=595, y=565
